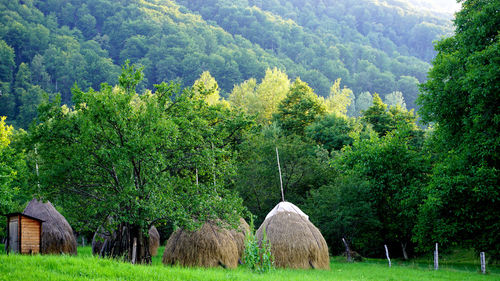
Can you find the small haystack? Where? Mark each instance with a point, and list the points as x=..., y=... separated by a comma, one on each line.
x=154, y=241
x=57, y=235
x=239, y=236
x=295, y=241
x=210, y=246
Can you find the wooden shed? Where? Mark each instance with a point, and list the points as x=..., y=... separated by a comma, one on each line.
x=24, y=234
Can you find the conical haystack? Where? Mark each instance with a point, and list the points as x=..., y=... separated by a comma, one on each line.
x=57, y=234
x=295, y=241
x=154, y=241
x=239, y=236
x=210, y=246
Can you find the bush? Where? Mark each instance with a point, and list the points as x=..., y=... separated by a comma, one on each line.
x=257, y=257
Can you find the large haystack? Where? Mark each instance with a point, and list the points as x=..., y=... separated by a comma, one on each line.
x=295, y=241
x=210, y=246
x=239, y=236
x=57, y=235
x=154, y=241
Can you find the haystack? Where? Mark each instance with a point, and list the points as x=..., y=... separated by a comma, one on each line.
x=57, y=234
x=154, y=241
x=239, y=236
x=295, y=241
x=210, y=246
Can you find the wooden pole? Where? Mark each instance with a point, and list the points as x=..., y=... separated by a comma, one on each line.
x=134, y=250
x=281, y=180
x=483, y=262
x=436, y=258
x=347, y=250
x=387, y=254
x=197, y=177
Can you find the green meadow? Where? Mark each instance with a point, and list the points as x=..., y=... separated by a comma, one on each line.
x=86, y=267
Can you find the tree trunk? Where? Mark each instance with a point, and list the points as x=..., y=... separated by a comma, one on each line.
x=403, y=247
x=121, y=244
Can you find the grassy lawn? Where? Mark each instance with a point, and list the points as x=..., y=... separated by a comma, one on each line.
x=86, y=267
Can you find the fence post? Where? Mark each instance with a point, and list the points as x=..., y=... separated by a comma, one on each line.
x=483, y=263
x=436, y=258
x=347, y=250
x=387, y=254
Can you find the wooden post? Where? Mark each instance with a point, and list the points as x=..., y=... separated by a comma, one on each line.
x=436, y=258
x=483, y=262
x=387, y=254
x=197, y=184
x=281, y=180
x=347, y=250
x=134, y=250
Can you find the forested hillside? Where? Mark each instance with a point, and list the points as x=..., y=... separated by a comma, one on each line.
x=47, y=46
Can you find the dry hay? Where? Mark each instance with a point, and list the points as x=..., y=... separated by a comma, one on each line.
x=154, y=241
x=295, y=241
x=57, y=234
x=239, y=236
x=209, y=246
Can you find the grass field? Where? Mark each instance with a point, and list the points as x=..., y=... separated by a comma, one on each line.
x=87, y=267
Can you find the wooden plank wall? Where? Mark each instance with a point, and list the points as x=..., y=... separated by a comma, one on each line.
x=30, y=240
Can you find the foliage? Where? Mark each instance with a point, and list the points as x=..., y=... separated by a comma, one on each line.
x=461, y=98
x=257, y=256
x=134, y=157
x=13, y=171
x=303, y=167
x=300, y=108
x=395, y=168
x=64, y=42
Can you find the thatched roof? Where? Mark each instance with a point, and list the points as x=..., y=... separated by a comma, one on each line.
x=239, y=236
x=57, y=234
x=210, y=246
x=295, y=241
x=154, y=241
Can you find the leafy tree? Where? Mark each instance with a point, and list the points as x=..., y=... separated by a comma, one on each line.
x=303, y=167
x=334, y=132
x=134, y=158
x=363, y=102
x=385, y=120
x=12, y=172
x=339, y=99
x=345, y=209
x=7, y=65
x=396, y=169
x=461, y=98
x=300, y=108
x=395, y=99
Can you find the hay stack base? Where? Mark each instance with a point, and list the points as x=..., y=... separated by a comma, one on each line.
x=239, y=237
x=154, y=241
x=295, y=241
x=210, y=246
x=57, y=234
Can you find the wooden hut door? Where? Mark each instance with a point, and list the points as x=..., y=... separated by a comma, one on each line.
x=13, y=237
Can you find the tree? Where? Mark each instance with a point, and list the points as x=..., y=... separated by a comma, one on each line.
x=395, y=99
x=363, y=102
x=339, y=99
x=134, y=158
x=12, y=171
x=300, y=108
x=396, y=169
x=461, y=98
x=7, y=100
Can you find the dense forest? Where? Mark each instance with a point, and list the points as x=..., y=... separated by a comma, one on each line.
x=171, y=113
x=47, y=46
